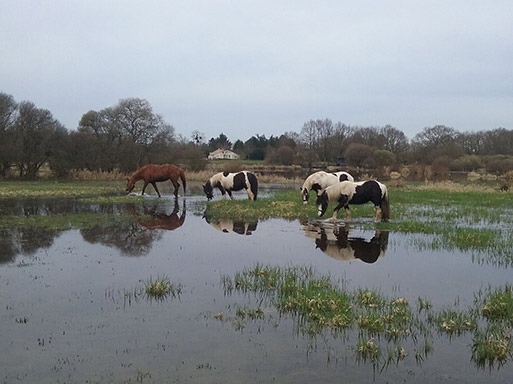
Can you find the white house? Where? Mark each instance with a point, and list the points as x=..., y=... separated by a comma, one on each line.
x=223, y=154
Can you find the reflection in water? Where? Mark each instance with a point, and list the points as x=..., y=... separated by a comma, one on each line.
x=336, y=242
x=127, y=227
x=236, y=226
x=136, y=237
x=26, y=241
x=161, y=220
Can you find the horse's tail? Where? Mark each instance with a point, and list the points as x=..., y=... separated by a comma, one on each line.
x=182, y=177
x=253, y=184
x=385, y=205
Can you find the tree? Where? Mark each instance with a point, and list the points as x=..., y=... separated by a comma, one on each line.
x=35, y=136
x=309, y=139
x=434, y=142
x=394, y=140
x=219, y=142
x=382, y=157
x=283, y=155
x=126, y=136
x=8, y=111
x=239, y=148
x=357, y=154
x=198, y=137
x=256, y=147
x=139, y=128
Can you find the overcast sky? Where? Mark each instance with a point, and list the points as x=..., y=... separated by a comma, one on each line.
x=265, y=67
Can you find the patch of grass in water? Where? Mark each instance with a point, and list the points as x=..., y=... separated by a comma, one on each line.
x=388, y=329
x=162, y=288
x=492, y=347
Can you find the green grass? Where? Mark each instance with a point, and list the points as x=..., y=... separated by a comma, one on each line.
x=44, y=188
x=162, y=288
x=387, y=328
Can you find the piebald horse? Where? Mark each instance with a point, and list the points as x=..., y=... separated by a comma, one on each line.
x=319, y=180
x=228, y=182
x=153, y=173
x=347, y=192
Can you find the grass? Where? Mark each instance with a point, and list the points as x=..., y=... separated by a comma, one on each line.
x=162, y=288
x=47, y=188
x=388, y=329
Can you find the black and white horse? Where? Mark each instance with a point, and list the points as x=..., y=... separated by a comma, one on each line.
x=228, y=182
x=319, y=180
x=347, y=192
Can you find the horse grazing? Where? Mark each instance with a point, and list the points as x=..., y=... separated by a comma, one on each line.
x=347, y=192
x=319, y=180
x=153, y=173
x=228, y=182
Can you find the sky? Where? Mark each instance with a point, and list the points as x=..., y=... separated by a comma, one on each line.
x=265, y=67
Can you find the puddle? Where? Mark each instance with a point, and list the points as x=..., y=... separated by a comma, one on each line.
x=72, y=308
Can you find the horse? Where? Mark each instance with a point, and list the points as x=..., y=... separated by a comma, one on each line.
x=153, y=173
x=319, y=180
x=347, y=192
x=228, y=182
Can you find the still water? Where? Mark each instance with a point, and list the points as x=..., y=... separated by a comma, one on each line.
x=70, y=311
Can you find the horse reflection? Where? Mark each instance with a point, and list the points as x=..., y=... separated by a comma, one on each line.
x=337, y=243
x=240, y=227
x=163, y=220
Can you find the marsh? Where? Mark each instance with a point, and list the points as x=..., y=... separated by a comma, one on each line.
x=73, y=308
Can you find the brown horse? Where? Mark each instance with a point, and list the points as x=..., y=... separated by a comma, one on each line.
x=153, y=173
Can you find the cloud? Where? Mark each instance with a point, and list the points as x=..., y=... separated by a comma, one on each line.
x=242, y=67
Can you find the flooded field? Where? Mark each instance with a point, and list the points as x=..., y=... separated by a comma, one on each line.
x=75, y=304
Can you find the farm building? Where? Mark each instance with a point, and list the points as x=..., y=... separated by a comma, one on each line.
x=225, y=154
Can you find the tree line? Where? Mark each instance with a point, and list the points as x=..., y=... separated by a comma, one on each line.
x=130, y=134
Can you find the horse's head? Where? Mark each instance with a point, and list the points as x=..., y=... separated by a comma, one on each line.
x=129, y=185
x=322, y=203
x=304, y=195
x=207, y=188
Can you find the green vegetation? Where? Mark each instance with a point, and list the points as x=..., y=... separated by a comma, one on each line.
x=388, y=329
x=162, y=288
x=24, y=189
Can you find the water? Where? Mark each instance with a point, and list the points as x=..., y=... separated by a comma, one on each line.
x=70, y=312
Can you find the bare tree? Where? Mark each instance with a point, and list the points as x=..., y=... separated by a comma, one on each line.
x=8, y=111
x=35, y=133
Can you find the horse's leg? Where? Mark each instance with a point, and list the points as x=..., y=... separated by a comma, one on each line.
x=223, y=192
x=230, y=193
x=155, y=187
x=335, y=211
x=251, y=196
x=348, y=213
x=176, y=185
x=377, y=219
x=144, y=188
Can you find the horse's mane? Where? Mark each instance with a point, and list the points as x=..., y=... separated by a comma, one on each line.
x=215, y=179
x=137, y=174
